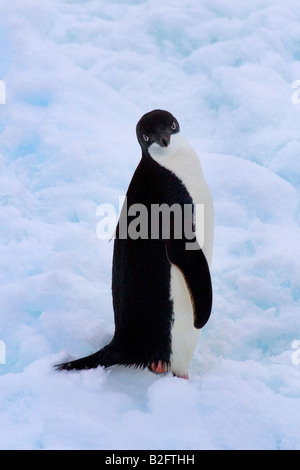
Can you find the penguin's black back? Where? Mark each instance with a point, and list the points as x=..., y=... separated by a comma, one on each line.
x=141, y=274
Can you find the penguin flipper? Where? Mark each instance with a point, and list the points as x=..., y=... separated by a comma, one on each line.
x=105, y=358
x=195, y=270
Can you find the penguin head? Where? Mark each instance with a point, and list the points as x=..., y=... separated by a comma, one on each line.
x=156, y=127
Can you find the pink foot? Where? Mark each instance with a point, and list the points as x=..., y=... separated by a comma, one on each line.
x=158, y=368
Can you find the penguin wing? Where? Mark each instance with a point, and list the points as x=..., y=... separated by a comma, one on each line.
x=194, y=267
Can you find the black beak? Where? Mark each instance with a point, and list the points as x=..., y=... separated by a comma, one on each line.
x=164, y=140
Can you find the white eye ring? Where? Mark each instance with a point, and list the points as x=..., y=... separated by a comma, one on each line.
x=173, y=127
x=146, y=138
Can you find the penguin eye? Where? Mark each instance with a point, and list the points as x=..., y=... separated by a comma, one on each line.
x=173, y=127
x=146, y=138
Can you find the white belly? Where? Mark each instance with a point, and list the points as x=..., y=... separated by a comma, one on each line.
x=184, y=336
x=181, y=159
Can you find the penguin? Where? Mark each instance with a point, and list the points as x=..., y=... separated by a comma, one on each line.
x=161, y=283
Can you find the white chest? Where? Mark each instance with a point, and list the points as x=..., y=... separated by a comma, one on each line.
x=182, y=160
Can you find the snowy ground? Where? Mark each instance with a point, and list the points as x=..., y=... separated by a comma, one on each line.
x=79, y=74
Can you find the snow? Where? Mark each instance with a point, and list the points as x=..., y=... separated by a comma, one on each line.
x=78, y=75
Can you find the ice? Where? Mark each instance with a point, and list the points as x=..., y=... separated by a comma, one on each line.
x=78, y=76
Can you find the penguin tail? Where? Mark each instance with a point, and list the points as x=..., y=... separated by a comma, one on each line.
x=106, y=357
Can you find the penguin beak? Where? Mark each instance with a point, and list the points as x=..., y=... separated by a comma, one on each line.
x=164, y=140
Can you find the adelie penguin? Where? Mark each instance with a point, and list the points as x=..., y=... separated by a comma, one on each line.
x=161, y=284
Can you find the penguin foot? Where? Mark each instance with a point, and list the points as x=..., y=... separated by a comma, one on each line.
x=158, y=367
x=185, y=376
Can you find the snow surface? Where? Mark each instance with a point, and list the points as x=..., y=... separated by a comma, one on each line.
x=79, y=74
